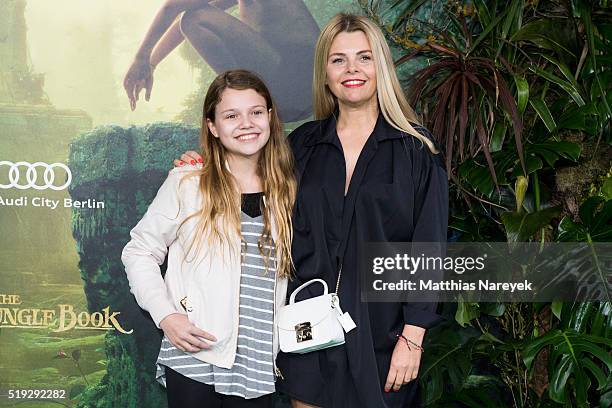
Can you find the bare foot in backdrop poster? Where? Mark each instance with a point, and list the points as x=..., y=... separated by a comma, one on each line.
x=274, y=38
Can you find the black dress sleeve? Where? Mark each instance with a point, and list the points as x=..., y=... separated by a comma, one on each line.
x=431, y=220
x=301, y=152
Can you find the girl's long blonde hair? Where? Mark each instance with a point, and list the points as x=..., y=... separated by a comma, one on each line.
x=220, y=212
x=391, y=99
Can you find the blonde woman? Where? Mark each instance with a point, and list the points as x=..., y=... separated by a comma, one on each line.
x=367, y=172
x=227, y=229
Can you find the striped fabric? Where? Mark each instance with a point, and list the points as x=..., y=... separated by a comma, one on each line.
x=252, y=374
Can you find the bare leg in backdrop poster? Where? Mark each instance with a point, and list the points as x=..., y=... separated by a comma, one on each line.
x=274, y=38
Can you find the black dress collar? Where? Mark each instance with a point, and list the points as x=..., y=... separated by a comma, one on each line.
x=326, y=131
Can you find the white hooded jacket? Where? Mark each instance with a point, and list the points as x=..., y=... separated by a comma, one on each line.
x=209, y=281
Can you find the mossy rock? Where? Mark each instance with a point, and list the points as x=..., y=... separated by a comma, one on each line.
x=124, y=168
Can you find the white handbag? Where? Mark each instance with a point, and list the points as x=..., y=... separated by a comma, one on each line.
x=316, y=323
x=312, y=324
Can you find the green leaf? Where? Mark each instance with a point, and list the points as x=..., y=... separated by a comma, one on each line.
x=499, y=134
x=448, y=361
x=565, y=85
x=596, y=371
x=486, y=31
x=569, y=350
x=483, y=12
x=522, y=90
x=520, y=227
x=579, y=316
x=76, y=390
x=552, y=150
x=489, y=338
x=479, y=177
x=556, y=308
x=606, y=189
x=544, y=113
x=569, y=150
x=564, y=70
x=558, y=379
x=410, y=8
x=493, y=309
x=575, y=120
x=588, y=210
x=601, y=227
x=466, y=311
x=532, y=163
x=596, y=222
x=605, y=400
x=546, y=33
x=569, y=231
x=512, y=16
x=601, y=322
x=478, y=391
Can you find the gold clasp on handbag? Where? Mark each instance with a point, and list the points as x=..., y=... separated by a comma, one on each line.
x=303, y=332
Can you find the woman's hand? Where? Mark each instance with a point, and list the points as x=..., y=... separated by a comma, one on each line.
x=183, y=334
x=406, y=359
x=138, y=77
x=189, y=157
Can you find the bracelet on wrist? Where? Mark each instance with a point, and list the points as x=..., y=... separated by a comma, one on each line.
x=409, y=342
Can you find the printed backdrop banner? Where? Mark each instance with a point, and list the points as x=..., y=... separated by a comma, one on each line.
x=78, y=169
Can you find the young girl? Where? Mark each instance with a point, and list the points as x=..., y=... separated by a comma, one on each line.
x=226, y=228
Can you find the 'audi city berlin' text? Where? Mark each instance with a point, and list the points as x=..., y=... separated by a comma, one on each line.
x=44, y=202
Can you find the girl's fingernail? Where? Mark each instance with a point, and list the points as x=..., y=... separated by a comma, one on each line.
x=192, y=162
x=181, y=163
x=199, y=160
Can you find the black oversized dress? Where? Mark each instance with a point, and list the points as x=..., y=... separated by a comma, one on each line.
x=399, y=191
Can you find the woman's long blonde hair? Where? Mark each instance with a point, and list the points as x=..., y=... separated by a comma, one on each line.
x=391, y=99
x=220, y=213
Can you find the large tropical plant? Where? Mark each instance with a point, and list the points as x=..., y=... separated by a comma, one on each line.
x=519, y=93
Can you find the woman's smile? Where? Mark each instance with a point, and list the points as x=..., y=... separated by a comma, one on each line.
x=353, y=83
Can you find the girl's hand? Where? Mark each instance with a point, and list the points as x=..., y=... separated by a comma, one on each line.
x=189, y=157
x=183, y=334
x=405, y=360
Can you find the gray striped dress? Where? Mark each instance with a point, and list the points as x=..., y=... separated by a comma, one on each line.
x=252, y=374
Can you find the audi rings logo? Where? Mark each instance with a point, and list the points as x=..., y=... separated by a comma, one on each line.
x=32, y=175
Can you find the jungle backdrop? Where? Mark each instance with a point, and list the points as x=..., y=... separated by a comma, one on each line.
x=517, y=93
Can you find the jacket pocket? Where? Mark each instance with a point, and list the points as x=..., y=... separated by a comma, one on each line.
x=212, y=308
